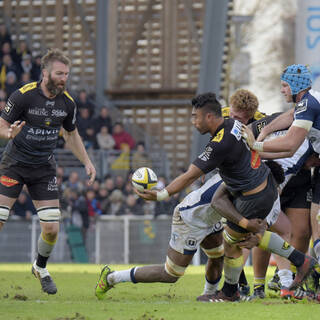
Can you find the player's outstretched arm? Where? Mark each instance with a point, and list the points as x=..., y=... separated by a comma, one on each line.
x=221, y=203
x=281, y=122
x=75, y=144
x=177, y=185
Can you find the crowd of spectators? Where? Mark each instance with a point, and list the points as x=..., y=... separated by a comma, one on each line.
x=112, y=195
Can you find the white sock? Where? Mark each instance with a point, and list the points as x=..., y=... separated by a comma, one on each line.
x=119, y=276
x=285, y=276
x=210, y=288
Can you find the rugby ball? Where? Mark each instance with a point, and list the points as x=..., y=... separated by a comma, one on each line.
x=144, y=178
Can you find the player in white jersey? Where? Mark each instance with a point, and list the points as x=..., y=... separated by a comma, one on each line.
x=304, y=121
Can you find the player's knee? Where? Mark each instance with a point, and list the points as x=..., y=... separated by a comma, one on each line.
x=4, y=215
x=214, y=253
x=173, y=271
x=49, y=214
x=228, y=238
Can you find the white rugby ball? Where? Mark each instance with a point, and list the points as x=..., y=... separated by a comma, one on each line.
x=144, y=178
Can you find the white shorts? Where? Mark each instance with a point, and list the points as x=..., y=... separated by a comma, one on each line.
x=186, y=239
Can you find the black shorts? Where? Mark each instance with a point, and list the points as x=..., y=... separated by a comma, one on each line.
x=297, y=193
x=41, y=180
x=257, y=205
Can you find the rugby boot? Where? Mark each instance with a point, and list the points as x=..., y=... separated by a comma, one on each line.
x=244, y=291
x=258, y=293
x=312, y=282
x=221, y=297
x=274, y=283
x=303, y=271
x=286, y=293
x=102, y=285
x=205, y=297
x=47, y=284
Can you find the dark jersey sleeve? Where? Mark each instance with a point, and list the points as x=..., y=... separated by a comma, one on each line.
x=14, y=107
x=257, y=126
x=211, y=157
x=69, y=123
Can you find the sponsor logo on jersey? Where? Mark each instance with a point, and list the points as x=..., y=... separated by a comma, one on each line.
x=52, y=184
x=47, y=121
x=236, y=130
x=218, y=137
x=301, y=106
x=39, y=112
x=58, y=113
x=261, y=125
x=8, y=107
x=50, y=103
x=8, y=182
x=191, y=242
x=255, y=159
x=205, y=155
x=43, y=132
x=286, y=245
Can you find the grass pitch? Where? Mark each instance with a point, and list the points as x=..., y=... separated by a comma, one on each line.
x=21, y=298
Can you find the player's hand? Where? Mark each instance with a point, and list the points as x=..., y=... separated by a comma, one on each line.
x=257, y=225
x=262, y=135
x=147, y=194
x=91, y=172
x=15, y=128
x=248, y=136
x=250, y=241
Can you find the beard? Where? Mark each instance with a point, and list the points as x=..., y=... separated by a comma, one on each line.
x=55, y=87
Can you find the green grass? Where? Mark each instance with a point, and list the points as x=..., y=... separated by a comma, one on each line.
x=21, y=298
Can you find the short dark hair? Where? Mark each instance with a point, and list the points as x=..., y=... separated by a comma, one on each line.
x=207, y=101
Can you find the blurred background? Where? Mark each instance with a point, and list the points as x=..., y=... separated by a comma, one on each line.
x=135, y=66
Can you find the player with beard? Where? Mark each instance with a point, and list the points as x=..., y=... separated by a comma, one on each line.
x=31, y=121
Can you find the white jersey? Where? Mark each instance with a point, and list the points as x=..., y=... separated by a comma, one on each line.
x=195, y=209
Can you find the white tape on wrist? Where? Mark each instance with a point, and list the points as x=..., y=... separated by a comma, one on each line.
x=258, y=146
x=162, y=195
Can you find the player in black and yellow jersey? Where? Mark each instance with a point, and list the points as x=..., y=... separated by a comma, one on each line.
x=31, y=121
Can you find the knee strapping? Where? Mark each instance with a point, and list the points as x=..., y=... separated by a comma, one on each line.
x=214, y=253
x=173, y=269
x=49, y=214
x=229, y=238
x=4, y=213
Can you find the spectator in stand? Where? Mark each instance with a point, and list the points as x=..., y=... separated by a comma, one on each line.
x=11, y=84
x=109, y=184
x=132, y=207
x=93, y=204
x=119, y=182
x=104, y=139
x=83, y=101
x=90, y=138
x=120, y=137
x=4, y=34
x=73, y=182
x=22, y=51
x=23, y=207
x=25, y=64
x=83, y=121
x=103, y=120
x=140, y=157
x=103, y=198
x=25, y=79
x=36, y=69
x=77, y=204
x=7, y=49
x=116, y=206
x=6, y=66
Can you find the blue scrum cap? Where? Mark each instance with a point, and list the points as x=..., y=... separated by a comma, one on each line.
x=298, y=77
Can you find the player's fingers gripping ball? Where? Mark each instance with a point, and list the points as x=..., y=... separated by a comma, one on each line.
x=144, y=179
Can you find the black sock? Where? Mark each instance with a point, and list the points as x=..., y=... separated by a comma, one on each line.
x=243, y=280
x=41, y=261
x=297, y=258
x=229, y=289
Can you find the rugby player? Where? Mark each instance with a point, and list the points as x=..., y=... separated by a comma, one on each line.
x=31, y=121
x=303, y=120
x=246, y=176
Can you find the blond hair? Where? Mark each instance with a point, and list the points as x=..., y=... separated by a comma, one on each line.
x=244, y=100
x=54, y=55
